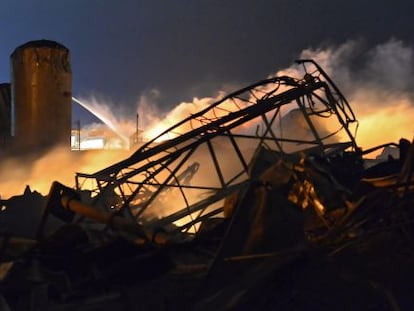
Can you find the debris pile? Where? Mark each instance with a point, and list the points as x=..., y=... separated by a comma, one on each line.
x=230, y=210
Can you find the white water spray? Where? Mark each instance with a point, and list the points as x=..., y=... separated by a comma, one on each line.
x=104, y=119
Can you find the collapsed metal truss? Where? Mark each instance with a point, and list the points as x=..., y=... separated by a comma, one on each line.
x=183, y=174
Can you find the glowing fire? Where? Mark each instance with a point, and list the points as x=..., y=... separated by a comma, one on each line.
x=103, y=113
x=58, y=164
x=387, y=124
x=379, y=92
x=180, y=112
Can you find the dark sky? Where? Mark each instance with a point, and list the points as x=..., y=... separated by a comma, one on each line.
x=121, y=49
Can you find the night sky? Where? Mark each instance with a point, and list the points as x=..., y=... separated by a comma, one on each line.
x=123, y=49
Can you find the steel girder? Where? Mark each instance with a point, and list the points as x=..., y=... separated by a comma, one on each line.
x=183, y=174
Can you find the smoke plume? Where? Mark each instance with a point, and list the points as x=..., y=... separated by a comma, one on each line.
x=378, y=84
x=58, y=164
x=109, y=114
x=377, y=81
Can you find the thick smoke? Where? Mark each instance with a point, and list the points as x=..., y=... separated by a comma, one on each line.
x=111, y=115
x=58, y=164
x=377, y=81
x=378, y=84
x=154, y=122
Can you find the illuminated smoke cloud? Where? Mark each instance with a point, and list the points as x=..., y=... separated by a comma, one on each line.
x=147, y=108
x=108, y=114
x=376, y=81
x=387, y=67
x=378, y=84
x=58, y=164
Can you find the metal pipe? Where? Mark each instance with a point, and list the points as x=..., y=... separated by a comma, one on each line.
x=113, y=220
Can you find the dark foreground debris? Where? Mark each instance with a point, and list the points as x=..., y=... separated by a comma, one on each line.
x=305, y=224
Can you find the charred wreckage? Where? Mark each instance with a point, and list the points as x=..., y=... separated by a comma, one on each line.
x=261, y=201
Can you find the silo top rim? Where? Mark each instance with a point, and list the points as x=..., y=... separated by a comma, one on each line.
x=40, y=44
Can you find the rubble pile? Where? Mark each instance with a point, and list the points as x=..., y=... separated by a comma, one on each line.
x=316, y=226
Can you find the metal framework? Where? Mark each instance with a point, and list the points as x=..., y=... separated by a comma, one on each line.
x=183, y=174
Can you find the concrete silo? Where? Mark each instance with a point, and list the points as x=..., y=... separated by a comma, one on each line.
x=41, y=95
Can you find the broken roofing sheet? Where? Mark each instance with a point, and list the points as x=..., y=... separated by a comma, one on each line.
x=261, y=201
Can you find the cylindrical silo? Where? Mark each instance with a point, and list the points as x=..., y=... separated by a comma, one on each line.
x=5, y=115
x=41, y=95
